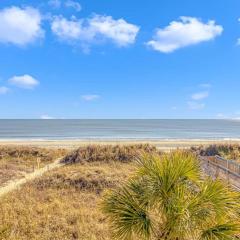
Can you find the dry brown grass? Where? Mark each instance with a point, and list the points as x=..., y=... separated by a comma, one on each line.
x=15, y=162
x=63, y=204
x=108, y=153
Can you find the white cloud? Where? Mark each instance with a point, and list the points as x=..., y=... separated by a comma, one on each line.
x=66, y=29
x=20, y=26
x=4, y=90
x=221, y=116
x=119, y=31
x=238, y=40
x=233, y=116
x=24, y=81
x=95, y=29
x=200, y=95
x=188, y=31
x=68, y=4
x=237, y=112
x=73, y=4
x=205, y=85
x=195, y=105
x=46, y=117
x=55, y=3
x=90, y=97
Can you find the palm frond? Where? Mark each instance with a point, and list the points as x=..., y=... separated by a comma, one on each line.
x=225, y=231
x=127, y=213
x=168, y=198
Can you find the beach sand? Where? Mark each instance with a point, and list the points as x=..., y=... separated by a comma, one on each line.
x=71, y=144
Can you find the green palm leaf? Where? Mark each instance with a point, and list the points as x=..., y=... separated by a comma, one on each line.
x=169, y=199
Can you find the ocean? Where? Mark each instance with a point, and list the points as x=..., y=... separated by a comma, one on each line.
x=119, y=129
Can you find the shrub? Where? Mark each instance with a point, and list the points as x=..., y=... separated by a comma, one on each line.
x=108, y=153
x=229, y=151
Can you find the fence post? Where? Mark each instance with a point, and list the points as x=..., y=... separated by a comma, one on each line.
x=228, y=171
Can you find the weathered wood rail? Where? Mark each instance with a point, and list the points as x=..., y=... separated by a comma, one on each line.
x=218, y=167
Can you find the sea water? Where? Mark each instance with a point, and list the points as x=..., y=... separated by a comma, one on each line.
x=157, y=129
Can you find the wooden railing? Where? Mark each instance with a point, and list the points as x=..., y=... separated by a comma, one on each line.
x=232, y=165
x=218, y=167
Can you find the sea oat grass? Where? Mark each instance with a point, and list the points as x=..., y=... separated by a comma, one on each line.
x=15, y=162
x=108, y=153
x=63, y=204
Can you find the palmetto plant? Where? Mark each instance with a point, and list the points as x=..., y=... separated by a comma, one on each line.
x=168, y=198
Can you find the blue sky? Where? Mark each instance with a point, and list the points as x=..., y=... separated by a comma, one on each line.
x=119, y=59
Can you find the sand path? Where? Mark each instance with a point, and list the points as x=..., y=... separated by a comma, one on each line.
x=13, y=185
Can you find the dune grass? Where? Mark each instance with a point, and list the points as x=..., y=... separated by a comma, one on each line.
x=15, y=162
x=108, y=153
x=64, y=203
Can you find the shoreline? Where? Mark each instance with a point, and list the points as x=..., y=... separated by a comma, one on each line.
x=165, y=144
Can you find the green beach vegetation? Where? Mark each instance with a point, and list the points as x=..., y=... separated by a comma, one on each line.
x=167, y=198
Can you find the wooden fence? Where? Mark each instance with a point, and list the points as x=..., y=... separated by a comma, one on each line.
x=218, y=167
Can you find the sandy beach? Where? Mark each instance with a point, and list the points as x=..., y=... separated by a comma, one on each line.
x=71, y=144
